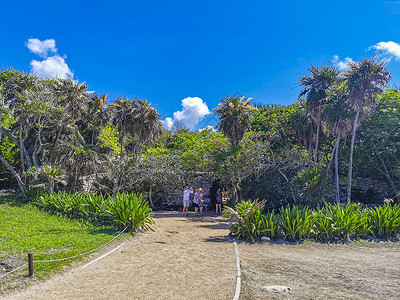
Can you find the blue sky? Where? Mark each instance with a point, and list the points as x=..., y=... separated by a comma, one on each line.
x=168, y=51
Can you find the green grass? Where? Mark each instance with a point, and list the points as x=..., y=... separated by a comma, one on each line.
x=24, y=228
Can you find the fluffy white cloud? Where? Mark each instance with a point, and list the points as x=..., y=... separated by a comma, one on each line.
x=50, y=66
x=53, y=66
x=168, y=123
x=193, y=110
x=390, y=48
x=341, y=64
x=42, y=48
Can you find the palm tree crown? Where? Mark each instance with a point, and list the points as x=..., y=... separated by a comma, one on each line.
x=235, y=117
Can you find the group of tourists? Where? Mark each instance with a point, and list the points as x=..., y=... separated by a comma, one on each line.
x=198, y=201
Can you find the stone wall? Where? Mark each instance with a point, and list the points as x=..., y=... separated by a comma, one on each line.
x=172, y=198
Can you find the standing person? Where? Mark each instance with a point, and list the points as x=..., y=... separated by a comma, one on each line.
x=186, y=197
x=218, y=202
x=198, y=196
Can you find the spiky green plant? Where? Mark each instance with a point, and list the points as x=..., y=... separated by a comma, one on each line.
x=384, y=220
x=296, y=223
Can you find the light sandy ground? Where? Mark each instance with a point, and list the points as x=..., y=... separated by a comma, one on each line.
x=192, y=258
x=320, y=271
x=185, y=258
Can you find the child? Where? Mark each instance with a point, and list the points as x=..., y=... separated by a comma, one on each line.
x=198, y=199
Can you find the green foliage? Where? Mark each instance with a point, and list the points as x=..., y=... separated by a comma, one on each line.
x=312, y=185
x=199, y=150
x=296, y=223
x=109, y=139
x=123, y=210
x=130, y=210
x=339, y=222
x=249, y=220
x=384, y=220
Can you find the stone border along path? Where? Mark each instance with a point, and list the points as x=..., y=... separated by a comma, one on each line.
x=185, y=258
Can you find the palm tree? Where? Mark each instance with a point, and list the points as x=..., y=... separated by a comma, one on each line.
x=364, y=79
x=314, y=89
x=96, y=116
x=147, y=122
x=337, y=117
x=135, y=118
x=123, y=112
x=234, y=117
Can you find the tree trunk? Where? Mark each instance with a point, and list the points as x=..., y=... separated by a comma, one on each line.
x=316, y=143
x=22, y=153
x=351, y=157
x=387, y=175
x=287, y=180
x=331, y=158
x=151, y=200
x=337, y=170
x=11, y=169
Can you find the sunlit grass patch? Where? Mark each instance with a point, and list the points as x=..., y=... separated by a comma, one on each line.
x=26, y=229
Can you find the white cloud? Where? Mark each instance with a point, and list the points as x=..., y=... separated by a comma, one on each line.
x=50, y=66
x=390, y=48
x=209, y=127
x=193, y=110
x=168, y=123
x=341, y=64
x=53, y=66
x=42, y=48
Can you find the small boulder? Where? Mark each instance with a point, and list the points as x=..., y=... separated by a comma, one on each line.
x=276, y=288
x=265, y=239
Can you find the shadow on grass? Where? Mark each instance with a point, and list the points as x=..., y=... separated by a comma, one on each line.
x=11, y=198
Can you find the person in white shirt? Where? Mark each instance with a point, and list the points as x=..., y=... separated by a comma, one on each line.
x=186, y=199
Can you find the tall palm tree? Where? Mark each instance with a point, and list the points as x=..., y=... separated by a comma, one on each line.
x=96, y=116
x=337, y=118
x=314, y=89
x=234, y=117
x=147, y=122
x=364, y=79
x=135, y=118
x=123, y=112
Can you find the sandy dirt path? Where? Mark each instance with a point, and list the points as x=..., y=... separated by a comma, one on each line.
x=359, y=271
x=185, y=258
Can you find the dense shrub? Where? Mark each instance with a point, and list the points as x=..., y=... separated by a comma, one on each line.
x=339, y=222
x=124, y=210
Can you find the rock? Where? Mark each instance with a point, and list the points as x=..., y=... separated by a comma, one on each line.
x=265, y=239
x=276, y=288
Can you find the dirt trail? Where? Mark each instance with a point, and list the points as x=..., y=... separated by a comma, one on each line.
x=185, y=258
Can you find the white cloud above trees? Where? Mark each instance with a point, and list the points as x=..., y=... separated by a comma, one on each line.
x=42, y=48
x=52, y=64
x=391, y=48
x=342, y=65
x=193, y=110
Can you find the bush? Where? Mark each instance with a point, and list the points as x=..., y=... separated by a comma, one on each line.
x=331, y=222
x=384, y=220
x=125, y=210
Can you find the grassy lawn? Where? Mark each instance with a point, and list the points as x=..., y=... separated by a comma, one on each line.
x=24, y=228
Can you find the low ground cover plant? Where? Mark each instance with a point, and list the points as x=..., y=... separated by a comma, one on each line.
x=331, y=222
x=125, y=210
